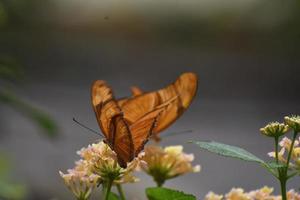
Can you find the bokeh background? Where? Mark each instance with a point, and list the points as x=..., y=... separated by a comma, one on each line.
x=246, y=54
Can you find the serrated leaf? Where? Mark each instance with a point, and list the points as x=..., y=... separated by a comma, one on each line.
x=159, y=193
x=228, y=151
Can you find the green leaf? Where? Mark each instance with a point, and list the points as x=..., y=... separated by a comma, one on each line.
x=4, y=166
x=113, y=196
x=38, y=116
x=274, y=165
x=228, y=151
x=11, y=191
x=159, y=193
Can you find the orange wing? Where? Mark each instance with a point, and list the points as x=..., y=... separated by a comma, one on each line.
x=111, y=121
x=175, y=99
x=142, y=129
x=136, y=91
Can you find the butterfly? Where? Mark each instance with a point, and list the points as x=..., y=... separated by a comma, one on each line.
x=128, y=123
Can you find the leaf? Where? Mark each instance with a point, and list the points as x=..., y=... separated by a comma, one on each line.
x=38, y=116
x=11, y=191
x=274, y=165
x=113, y=196
x=159, y=193
x=228, y=151
x=4, y=166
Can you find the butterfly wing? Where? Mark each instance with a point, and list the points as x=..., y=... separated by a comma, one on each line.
x=142, y=130
x=111, y=122
x=185, y=88
x=175, y=98
x=136, y=91
x=122, y=142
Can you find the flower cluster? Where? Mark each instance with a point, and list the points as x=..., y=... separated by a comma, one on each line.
x=98, y=164
x=264, y=193
x=293, y=122
x=274, y=129
x=166, y=163
x=80, y=180
x=103, y=162
x=285, y=145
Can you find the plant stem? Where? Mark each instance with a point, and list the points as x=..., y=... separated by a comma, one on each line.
x=276, y=149
x=108, y=188
x=291, y=150
x=283, y=173
x=121, y=193
x=283, y=189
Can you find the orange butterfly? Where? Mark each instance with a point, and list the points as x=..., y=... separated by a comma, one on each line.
x=128, y=123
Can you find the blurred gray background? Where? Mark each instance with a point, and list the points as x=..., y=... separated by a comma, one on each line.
x=246, y=54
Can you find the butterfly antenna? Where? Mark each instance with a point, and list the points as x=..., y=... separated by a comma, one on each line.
x=83, y=126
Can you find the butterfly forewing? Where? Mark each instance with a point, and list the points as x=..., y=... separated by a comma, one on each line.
x=135, y=108
x=111, y=122
x=122, y=141
x=176, y=98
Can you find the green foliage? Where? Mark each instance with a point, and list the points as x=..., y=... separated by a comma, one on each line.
x=159, y=193
x=239, y=153
x=228, y=151
x=9, y=190
x=113, y=196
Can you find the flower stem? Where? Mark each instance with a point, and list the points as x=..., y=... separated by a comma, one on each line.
x=291, y=150
x=108, y=188
x=121, y=193
x=276, y=149
x=283, y=189
x=283, y=173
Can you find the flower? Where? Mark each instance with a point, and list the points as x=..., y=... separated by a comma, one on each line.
x=286, y=144
x=103, y=162
x=213, y=196
x=166, y=163
x=261, y=194
x=274, y=129
x=98, y=164
x=293, y=122
x=80, y=180
x=264, y=193
x=280, y=155
x=292, y=195
x=237, y=194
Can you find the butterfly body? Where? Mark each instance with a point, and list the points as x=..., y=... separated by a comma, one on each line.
x=128, y=123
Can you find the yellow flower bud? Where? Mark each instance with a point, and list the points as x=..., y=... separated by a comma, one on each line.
x=293, y=122
x=274, y=129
